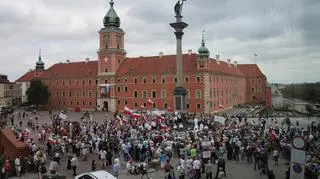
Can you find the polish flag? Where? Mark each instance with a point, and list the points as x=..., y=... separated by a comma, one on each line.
x=124, y=121
x=143, y=107
x=221, y=106
x=150, y=102
x=164, y=127
x=160, y=118
x=118, y=118
x=127, y=110
x=136, y=115
x=51, y=141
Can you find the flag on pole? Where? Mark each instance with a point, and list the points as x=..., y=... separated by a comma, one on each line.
x=136, y=115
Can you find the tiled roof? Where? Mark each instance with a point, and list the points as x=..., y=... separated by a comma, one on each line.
x=250, y=70
x=167, y=64
x=224, y=67
x=72, y=70
x=156, y=65
x=26, y=77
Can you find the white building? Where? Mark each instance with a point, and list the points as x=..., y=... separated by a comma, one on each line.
x=277, y=97
x=296, y=105
x=24, y=87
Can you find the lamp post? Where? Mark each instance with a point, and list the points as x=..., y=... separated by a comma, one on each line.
x=179, y=92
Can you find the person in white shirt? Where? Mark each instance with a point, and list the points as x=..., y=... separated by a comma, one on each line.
x=197, y=166
x=103, y=158
x=53, y=167
x=17, y=165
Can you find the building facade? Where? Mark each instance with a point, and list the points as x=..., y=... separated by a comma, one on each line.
x=114, y=80
x=10, y=93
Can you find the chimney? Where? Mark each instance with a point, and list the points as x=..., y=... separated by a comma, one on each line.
x=67, y=61
x=29, y=70
x=217, y=57
x=87, y=59
x=229, y=60
x=189, y=52
x=160, y=54
x=235, y=63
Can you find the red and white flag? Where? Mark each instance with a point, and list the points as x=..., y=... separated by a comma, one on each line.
x=143, y=107
x=124, y=121
x=118, y=118
x=150, y=102
x=221, y=106
x=160, y=118
x=136, y=115
x=164, y=127
x=127, y=110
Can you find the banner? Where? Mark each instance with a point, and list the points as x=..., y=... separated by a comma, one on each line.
x=63, y=116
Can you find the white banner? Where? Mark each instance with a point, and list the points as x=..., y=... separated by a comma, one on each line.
x=63, y=116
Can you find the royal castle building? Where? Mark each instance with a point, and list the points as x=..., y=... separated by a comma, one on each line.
x=115, y=80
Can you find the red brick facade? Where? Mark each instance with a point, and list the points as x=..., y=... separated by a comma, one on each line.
x=115, y=81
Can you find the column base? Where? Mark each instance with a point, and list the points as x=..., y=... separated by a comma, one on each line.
x=180, y=99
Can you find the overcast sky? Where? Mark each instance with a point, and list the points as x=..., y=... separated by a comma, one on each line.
x=284, y=34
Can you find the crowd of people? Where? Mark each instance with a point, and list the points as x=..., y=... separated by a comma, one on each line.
x=152, y=140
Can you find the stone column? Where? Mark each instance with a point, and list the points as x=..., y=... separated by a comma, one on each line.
x=179, y=91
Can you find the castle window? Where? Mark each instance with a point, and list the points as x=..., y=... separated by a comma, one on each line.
x=163, y=80
x=135, y=81
x=125, y=89
x=144, y=94
x=187, y=79
x=165, y=105
x=83, y=82
x=69, y=82
x=144, y=80
x=89, y=82
x=119, y=88
x=198, y=94
x=163, y=94
x=106, y=70
x=198, y=79
x=119, y=102
x=154, y=94
x=125, y=102
x=175, y=79
x=135, y=105
x=187, y=106
x=198, y=106
x=135, y=94
x=153, y=80
x=70, y=93
x=125, y=80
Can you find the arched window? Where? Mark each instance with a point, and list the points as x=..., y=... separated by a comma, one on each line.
x=106, y=70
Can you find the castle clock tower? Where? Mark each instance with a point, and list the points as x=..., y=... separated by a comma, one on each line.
x=110, y=55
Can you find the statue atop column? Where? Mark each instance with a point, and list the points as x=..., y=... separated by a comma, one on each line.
x=178, y=7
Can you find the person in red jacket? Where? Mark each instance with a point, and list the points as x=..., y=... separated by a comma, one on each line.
x=6, y=169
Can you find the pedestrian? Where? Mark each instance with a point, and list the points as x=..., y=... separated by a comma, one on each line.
x=143, y=170
x=53, y=167
x=6, y=169
x=116, y=167
x=181, y=171
x=197, y=167
x=103, y=158
x=74, y=164
x=276, y=156
x=221, y=166
x=17, y=165
x=93, y=165
x=209, y=169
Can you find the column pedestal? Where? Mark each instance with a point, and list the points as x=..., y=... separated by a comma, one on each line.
x=180, y=99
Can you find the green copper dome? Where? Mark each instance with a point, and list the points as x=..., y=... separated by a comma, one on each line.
x=111, y=18
x=203, y=50
x=39, y=63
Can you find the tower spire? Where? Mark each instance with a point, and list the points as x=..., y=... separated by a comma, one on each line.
x=111, y=3
x=39, y=63
x=203, y=44
x=203, y=50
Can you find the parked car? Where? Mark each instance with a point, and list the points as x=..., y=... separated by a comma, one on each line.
x=101, y=174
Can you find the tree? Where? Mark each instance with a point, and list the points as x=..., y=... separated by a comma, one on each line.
x=38, y=93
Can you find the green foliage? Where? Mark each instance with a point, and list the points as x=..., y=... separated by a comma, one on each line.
x=38, y=93
x=306, y=91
